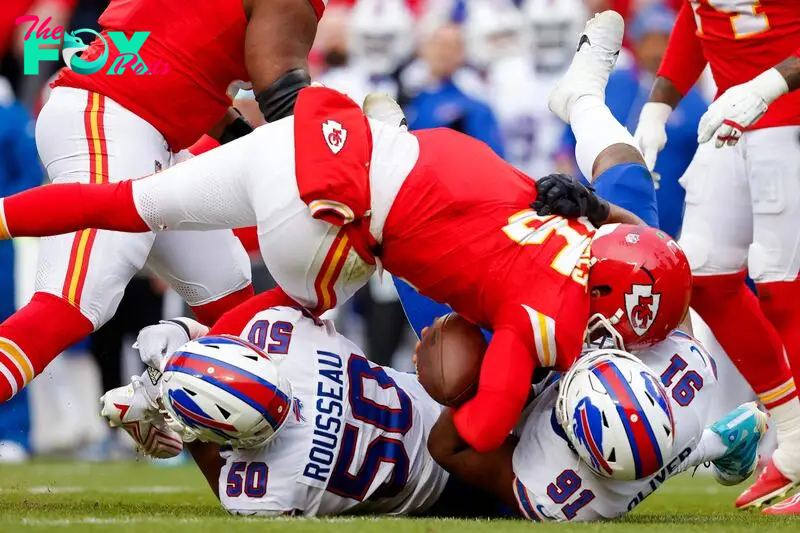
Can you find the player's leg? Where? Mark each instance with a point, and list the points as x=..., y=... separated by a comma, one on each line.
x=773, y=159
x=82, y=137
x=209, y=269
x=717, y=232
x=605, y=150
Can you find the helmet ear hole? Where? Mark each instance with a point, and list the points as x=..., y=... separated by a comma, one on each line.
x=600, y=290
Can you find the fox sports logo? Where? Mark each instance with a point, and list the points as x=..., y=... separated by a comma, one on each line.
x=73, y=44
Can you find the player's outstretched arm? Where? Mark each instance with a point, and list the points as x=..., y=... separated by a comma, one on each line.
x=743, y=105
x=210, y=191
x=278, y=39
x=491, y=472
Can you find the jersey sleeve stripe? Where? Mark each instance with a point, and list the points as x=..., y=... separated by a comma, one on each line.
x=544, y=329
x=319, y=7
x=524, y=501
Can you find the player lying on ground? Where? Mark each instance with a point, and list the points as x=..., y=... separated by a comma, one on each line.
x=585, y=439
x=334, y=194
x=742, y=205
x=307, y=425
x=100, y=128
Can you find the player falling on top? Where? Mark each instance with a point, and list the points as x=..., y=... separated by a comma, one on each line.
x=101, y=128
x=334, y=193
x=742, y=202
x=315, y=428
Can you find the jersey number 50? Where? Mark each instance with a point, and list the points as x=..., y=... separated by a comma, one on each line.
x=383, y=449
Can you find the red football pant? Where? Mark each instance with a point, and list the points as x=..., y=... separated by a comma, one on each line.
x=735, y=317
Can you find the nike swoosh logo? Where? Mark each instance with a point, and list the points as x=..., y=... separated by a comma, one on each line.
x=584, y=39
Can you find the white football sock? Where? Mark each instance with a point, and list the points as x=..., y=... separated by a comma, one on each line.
x=595, y=129
x=786, y=418
x=710, y=448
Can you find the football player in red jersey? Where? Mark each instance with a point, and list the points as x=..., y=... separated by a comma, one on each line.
x=742, y=201
x=101, y=128
x=335, y=195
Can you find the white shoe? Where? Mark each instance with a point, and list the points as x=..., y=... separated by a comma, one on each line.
x=12, y=452
x=382, y=107
x=598, y=50
x=132, y=409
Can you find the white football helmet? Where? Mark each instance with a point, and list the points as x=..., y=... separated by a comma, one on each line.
x=494, y=30
x=381, y=35
x=616, y=415
x=556, y=25
x=223, y=389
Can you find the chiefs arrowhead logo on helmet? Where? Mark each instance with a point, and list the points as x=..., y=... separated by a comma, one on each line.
x=335, y=135
x=641, y=306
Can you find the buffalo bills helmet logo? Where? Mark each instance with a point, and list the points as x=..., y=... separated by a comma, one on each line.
x=335, y=135
x=641, y=306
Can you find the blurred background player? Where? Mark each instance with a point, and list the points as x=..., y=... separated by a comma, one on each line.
x=742, y=208
x=524, y=52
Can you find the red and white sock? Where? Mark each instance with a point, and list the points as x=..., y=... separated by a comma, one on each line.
x=34, y=336
x=209, y=313
x=735, y=317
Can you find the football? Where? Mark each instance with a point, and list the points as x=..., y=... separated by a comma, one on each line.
x=449, y=360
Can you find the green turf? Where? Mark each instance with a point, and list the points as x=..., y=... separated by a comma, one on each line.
x=138, y=497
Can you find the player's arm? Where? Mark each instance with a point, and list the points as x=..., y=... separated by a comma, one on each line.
x=206, y=456
x=210, y=191
x=232, y=126
x=485, y=421
x=278, y=39
x=743, y=105
x=491, y=472
x=682, y=65
x=560, y=194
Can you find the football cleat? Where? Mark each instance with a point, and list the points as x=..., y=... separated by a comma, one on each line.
x=771, y=484
x=383, y=108
x=741, y=431
x=598, y=50
x=130, y=408
x=786, y=507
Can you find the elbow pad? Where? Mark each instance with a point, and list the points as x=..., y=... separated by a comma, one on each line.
x=238, y=128
x=277, y=101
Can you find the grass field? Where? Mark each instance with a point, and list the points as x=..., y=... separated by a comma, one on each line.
x=138, y=497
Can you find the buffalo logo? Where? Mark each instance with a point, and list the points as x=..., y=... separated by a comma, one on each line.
x=335, y=135
x=642, y=307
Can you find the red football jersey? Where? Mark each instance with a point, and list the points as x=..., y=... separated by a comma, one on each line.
x=202, y=41
x=461, y=232
x=739, y=39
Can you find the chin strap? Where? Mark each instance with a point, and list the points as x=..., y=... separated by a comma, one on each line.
x=277, y=100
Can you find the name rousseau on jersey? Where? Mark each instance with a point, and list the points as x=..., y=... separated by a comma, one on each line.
x=328, y=423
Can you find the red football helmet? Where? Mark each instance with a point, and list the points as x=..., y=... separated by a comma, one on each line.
x=640, y=285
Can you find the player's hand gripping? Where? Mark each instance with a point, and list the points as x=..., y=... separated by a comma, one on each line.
x=157, y=342
x=651, y=131
x=739, y=107
x=559, y=194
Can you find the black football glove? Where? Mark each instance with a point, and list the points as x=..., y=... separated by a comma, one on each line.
x=559, y=194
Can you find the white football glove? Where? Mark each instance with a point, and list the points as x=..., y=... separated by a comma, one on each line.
x=156, y=343
x=739, y=107
x=134, y=408
x=651, y=131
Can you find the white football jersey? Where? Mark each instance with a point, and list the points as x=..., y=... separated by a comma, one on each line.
x=518, y=95
x=553, y=484
x=357, y=441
